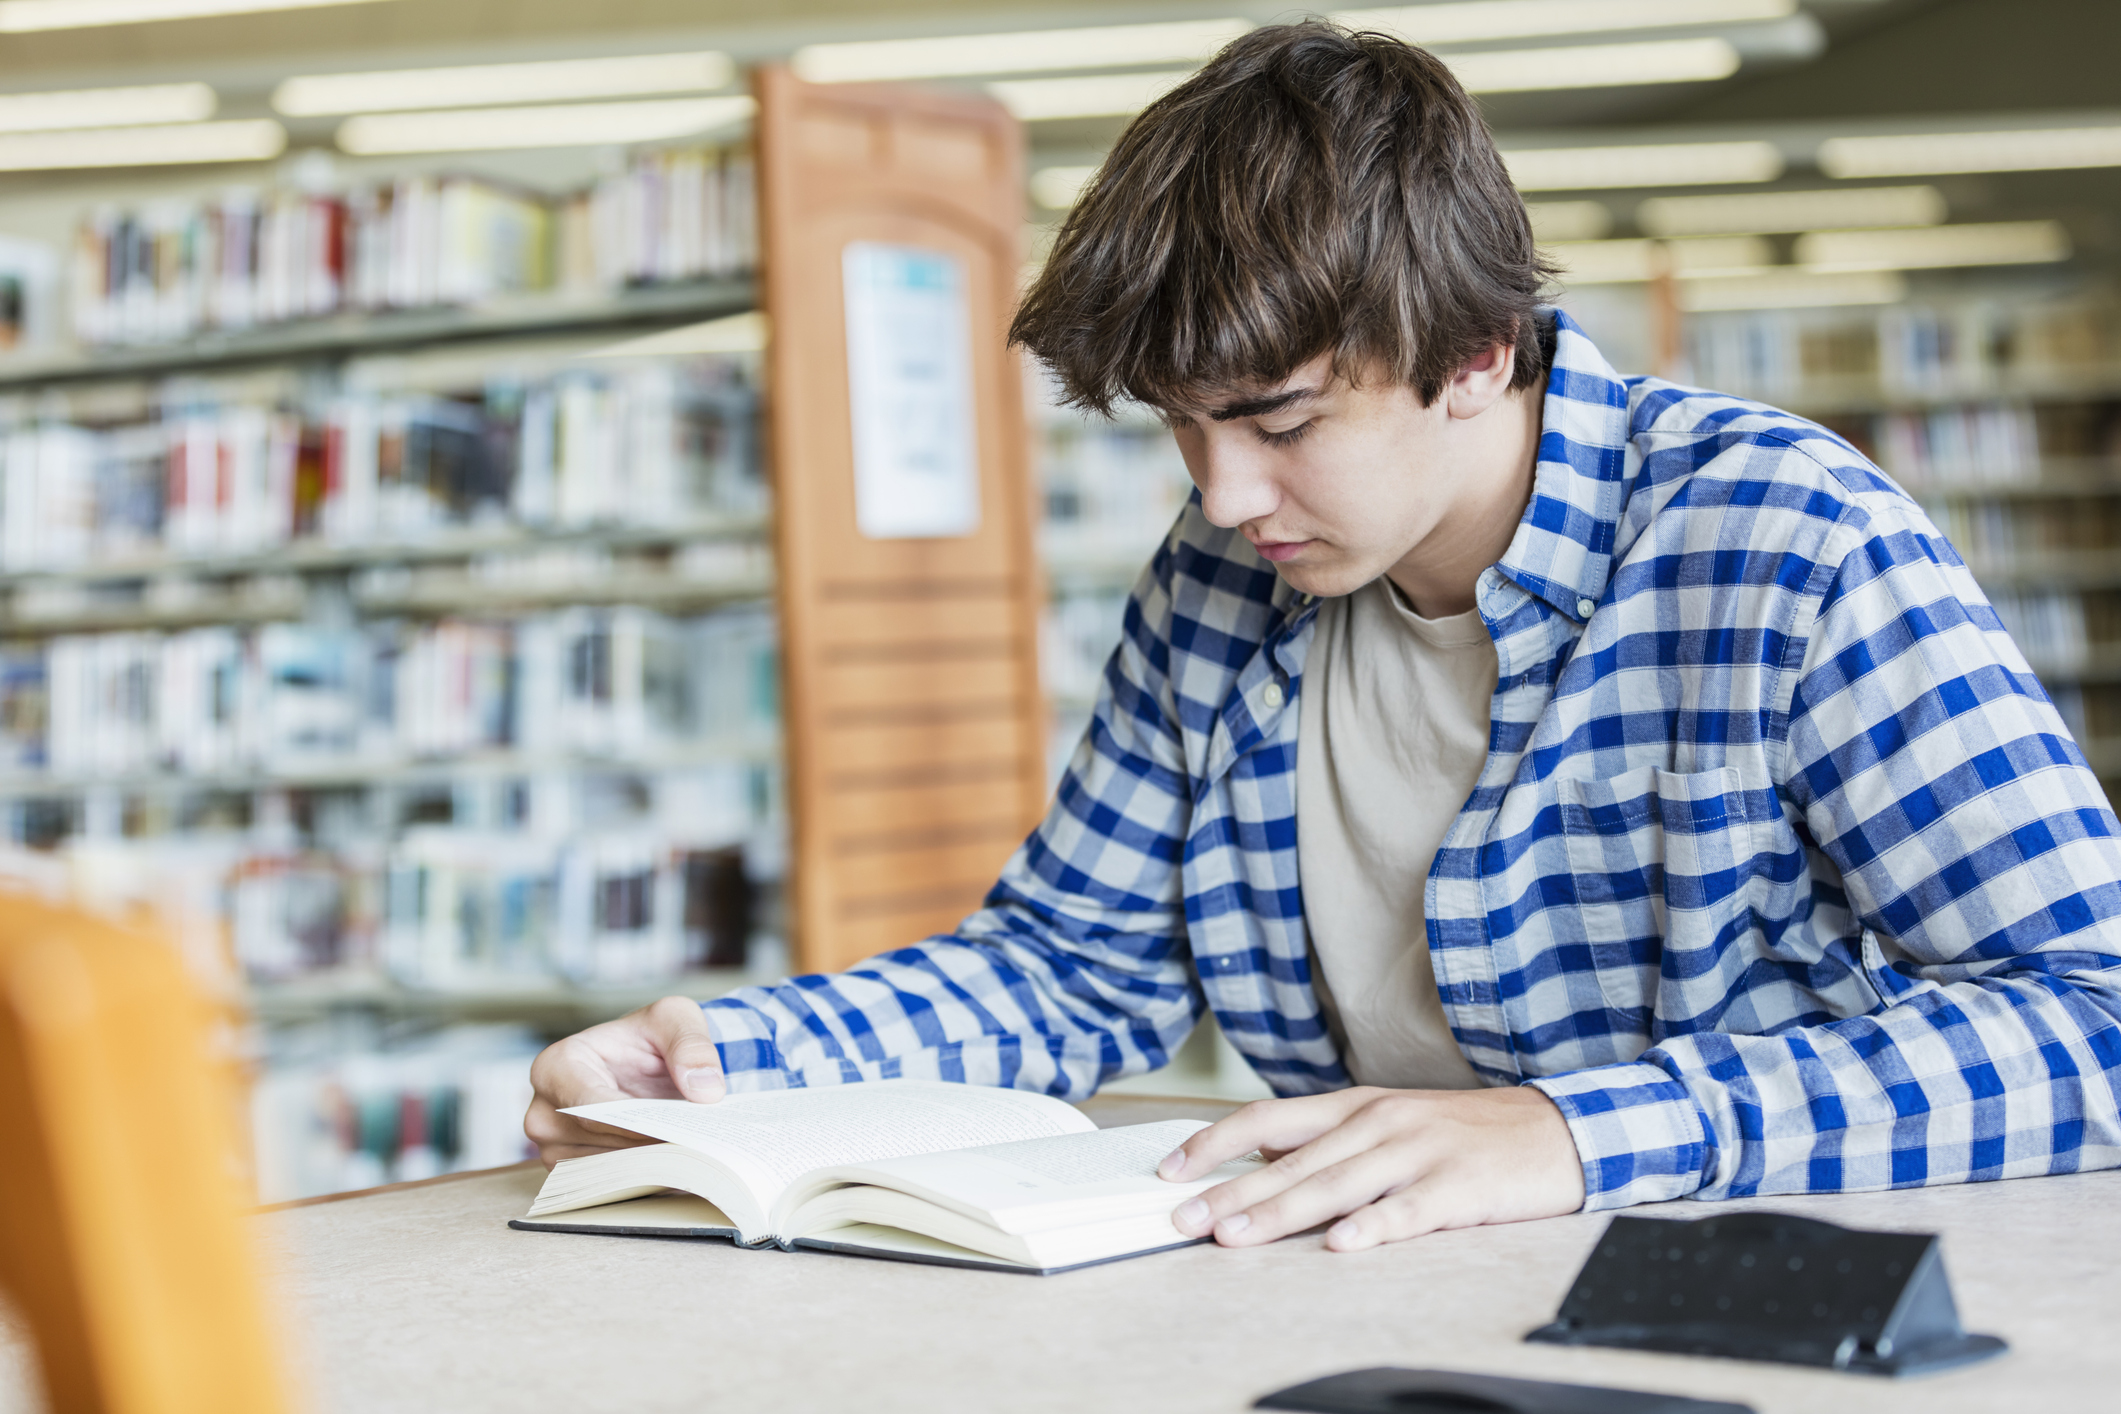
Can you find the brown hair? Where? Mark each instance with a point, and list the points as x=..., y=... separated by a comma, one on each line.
x=1310, y=190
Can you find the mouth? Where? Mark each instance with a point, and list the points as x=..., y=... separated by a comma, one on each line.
x=1278, y=551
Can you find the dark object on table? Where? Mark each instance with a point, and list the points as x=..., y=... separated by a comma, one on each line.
x=1770, y=1286
x=1388, y=1390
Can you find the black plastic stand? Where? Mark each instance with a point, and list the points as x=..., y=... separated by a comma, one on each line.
x=1770, y=1286
x=1387, y=1390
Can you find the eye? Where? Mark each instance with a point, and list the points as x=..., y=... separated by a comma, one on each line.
x=1287, y=438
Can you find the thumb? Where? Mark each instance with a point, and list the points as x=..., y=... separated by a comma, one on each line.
x=679, y=1029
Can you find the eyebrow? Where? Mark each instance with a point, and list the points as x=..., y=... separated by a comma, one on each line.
x=1260, y=407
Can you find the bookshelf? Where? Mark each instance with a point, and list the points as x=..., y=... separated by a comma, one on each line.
x=2001, y=414
x=411, y=643
x=521, y=316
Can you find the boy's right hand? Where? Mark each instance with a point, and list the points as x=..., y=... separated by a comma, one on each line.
x=664, y=1051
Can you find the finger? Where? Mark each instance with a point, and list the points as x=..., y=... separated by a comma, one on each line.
x=1199, y=1214
x=1332, y=1176
x=1279, y=1125
x=1414, y=1211
x=552, y=1131
x=678, y=1030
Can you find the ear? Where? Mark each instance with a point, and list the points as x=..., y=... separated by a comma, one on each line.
x=1481, y=382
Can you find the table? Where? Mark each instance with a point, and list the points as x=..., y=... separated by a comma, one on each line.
x=420, y=1299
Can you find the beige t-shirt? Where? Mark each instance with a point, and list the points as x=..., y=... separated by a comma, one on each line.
x=1391, y=737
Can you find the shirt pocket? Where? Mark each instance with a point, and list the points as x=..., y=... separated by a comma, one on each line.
x=1662, y=866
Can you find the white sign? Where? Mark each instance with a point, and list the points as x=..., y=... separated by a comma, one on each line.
x=909, y=374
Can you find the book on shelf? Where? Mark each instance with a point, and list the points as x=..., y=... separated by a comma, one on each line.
x=911, y=1170
x=215, y=470
x=28, y=290
x=250, y=257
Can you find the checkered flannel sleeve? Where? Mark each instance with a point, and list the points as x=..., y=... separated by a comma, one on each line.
x=1074, y=972
x=1979, y=864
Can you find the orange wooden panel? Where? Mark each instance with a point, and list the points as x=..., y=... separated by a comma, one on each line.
x=882, y=620
x=867, y=936
x=860, y=748
x=121, y=1236
x=889, y=646
x=864, y=813
x=990, y=675
x=976, y=865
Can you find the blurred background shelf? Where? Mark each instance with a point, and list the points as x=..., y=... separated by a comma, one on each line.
x=343, y=336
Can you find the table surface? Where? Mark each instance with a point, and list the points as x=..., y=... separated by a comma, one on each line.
x=422, y=1299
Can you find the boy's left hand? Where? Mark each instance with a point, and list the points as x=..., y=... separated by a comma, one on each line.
x=1390, y=1164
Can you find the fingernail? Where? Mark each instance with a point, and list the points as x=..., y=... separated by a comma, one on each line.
x=1232, y=1225
x=1173, y=1165
x=702, y=1084
x=1191, y=1213
x=1343, y=1231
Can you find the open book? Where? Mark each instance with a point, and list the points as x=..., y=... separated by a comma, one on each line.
x=910, y=1169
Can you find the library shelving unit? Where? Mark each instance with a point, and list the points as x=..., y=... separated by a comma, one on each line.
x=462, y=674
x=2002, y=415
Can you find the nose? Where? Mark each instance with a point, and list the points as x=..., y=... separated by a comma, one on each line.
x=1235, y=486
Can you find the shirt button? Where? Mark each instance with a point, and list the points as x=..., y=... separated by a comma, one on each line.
x=1584, y=607
x=1272, y=695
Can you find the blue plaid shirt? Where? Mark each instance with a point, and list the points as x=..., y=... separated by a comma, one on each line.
x=1783, y=874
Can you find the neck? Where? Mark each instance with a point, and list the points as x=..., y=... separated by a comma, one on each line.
x=1440, y=574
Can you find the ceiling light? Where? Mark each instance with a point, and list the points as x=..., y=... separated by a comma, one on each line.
x=1090, y=96
x=1675, y=164
x=1926, y=154
x=1792, y=289
x=1569, y=220
x=105, y=107
x=1024, y=51
x=1936, y=247
x=1595, y=65
x=1832, y=208
x=27, y=16
x=1635, y=261
x=479, y=85
x=1472, y=21
x=242, y=140
x=1059, y=188
x=556, y=125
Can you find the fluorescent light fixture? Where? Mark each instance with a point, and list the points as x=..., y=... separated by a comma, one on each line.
x=554, y=125
x=1935, y=247
x=1673, y=164
x=1595, y=65
x=483, y=85
x=28, y=16
x=239, y=140
x=1021, y=52
x=1927, y=154
x=1058, y=188
x=1793, y=289
x=1634, y=261
x=105, y=107
x=1828, y=209
x=1475, y=21
x=736, y=333
x=1087, y=96
x=1569, y=220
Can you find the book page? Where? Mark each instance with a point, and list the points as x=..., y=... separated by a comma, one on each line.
x=770, y=1139
x=1041, y=1184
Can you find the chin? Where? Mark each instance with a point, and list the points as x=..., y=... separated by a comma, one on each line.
x=1329, y=581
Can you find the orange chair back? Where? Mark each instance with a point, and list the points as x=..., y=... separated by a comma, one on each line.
x=122, y=1237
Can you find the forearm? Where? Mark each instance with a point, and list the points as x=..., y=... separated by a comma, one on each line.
x=983, y=1007
x=1998, y=1078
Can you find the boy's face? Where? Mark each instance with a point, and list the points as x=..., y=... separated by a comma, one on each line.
x=1337, y=484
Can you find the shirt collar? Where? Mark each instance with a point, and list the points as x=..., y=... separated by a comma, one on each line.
x=1563, y=548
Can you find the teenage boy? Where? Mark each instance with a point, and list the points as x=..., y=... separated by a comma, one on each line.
x=1566, y=790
